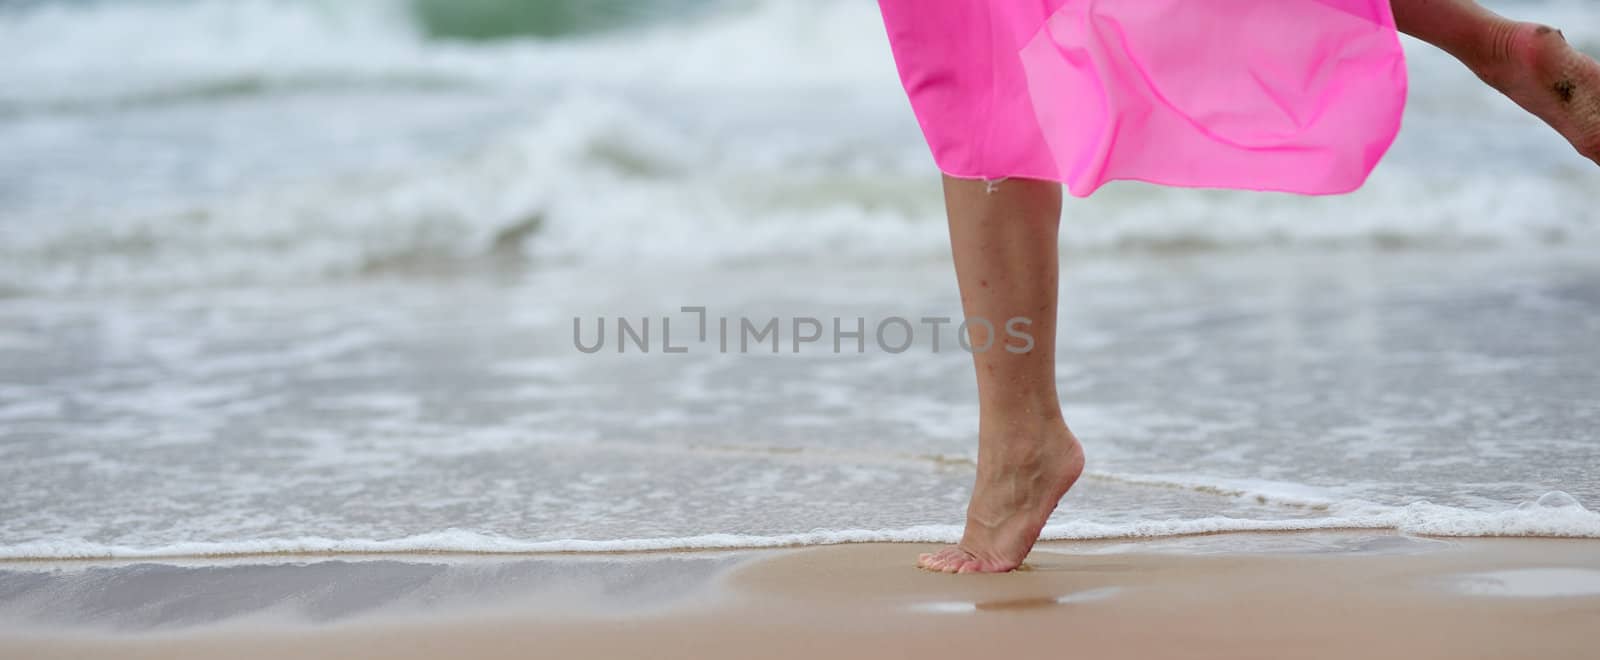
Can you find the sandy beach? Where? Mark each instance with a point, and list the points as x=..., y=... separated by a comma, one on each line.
x=1304, y=595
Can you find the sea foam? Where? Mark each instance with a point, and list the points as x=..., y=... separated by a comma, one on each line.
x=1569, y=520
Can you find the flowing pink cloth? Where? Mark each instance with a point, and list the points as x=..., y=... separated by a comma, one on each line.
x=1299, y=96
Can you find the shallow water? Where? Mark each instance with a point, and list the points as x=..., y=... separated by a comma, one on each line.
x=1256, y=391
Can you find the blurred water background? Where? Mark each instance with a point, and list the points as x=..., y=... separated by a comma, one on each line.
x=301, y=274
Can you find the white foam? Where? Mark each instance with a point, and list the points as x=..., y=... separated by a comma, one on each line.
x=1554, y=514
x=58, y=54
x=1422, y=519
x=458, y=541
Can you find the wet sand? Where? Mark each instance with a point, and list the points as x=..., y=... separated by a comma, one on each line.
x=1332, y=595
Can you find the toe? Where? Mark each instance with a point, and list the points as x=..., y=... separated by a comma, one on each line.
x=961, y=561
x=948, y=561
x=956, y=560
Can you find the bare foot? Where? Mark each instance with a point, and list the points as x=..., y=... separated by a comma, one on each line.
x=1017, y=489
x=1534, y=66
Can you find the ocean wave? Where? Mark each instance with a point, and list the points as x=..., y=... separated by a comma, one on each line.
x=87, y=55
x=597, y=180
x=1555, y=515
x=53, y=54
x=770, y=131
x=242, y=86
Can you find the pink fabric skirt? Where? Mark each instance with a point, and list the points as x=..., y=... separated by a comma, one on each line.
x=1299, y=96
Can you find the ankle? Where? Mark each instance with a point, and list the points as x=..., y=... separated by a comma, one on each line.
x=1021, y=417
x=1022, y=439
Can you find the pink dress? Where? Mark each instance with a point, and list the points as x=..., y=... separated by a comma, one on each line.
x=1299, y=96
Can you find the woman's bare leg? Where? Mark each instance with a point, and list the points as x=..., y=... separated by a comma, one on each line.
x=1006, y=254
x=1007, y=263
x=1531, y=64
